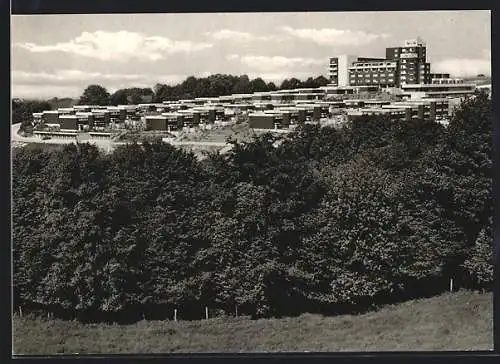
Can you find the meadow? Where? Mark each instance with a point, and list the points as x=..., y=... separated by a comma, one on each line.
x=452, y=321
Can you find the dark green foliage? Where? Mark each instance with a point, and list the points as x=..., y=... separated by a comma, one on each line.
x=478, y=266
x=22, y=112
x=94, y=95
x=222, y=84
x=132, y=96
x=329, y=219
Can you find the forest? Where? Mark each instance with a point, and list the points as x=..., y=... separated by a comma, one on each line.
x=329, y=220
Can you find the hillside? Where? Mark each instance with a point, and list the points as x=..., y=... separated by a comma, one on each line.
x=457, y=321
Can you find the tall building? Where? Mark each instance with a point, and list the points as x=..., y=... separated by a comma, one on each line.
x=403, y=65
x=411, y=58
x=338, y=71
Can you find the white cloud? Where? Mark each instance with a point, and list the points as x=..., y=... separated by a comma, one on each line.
x=45, y=91
x=68, y=77
x=119, y=46
x=487, y=53
x=463, y=67
x=267, y=63
x=331, y=36
x=235, y=35
x=71, y=83
x=232, y=57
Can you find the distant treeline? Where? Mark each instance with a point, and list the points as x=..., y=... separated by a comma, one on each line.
x=330, y=220
x=192, y=87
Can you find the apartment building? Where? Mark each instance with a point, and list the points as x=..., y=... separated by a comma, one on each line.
x=339, y=68
x=456, y=90
x=382, y=73
x=430, y=109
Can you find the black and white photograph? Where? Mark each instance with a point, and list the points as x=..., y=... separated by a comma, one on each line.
x=287, y=182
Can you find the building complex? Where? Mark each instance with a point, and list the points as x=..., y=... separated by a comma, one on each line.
x=402, y=65
x=403, y=78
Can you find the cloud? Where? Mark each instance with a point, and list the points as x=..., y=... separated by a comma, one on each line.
x=68, y=77
x=119, y=46
x=71, y=83
x=463, y=67
x=487, y=53
x=232, y=57
x=275, y=62
x=45, y=92
x=235, y=35
x=331, y=36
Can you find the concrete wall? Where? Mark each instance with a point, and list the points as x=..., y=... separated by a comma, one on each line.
x=344, y=61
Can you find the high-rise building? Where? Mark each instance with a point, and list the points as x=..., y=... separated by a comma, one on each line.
x=411, y=58
x=404, y=65
x=339, y=69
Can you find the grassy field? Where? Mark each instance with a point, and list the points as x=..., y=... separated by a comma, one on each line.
x=454, y=321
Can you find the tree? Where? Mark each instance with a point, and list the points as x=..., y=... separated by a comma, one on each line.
x=271, y=86
x=56, y=103
x=119, y=97
x=320, y=81
x=329, y=218
x=290, y=84
x=95, y=95
x=257, y=85
x=242, y=85
x=22, y=112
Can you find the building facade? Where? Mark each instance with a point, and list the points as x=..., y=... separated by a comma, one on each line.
x=339, y=69
x=405, y=64
x=381, y=73
x=413, y=67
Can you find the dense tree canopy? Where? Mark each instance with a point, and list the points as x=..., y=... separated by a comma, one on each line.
x=22, y=110
x=330, y=219
x=221, y=84
x=132, y=96
x=95, y=95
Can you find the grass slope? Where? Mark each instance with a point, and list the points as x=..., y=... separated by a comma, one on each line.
x=457, y=321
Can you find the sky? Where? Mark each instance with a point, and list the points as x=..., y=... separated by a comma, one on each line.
x=59, y=55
